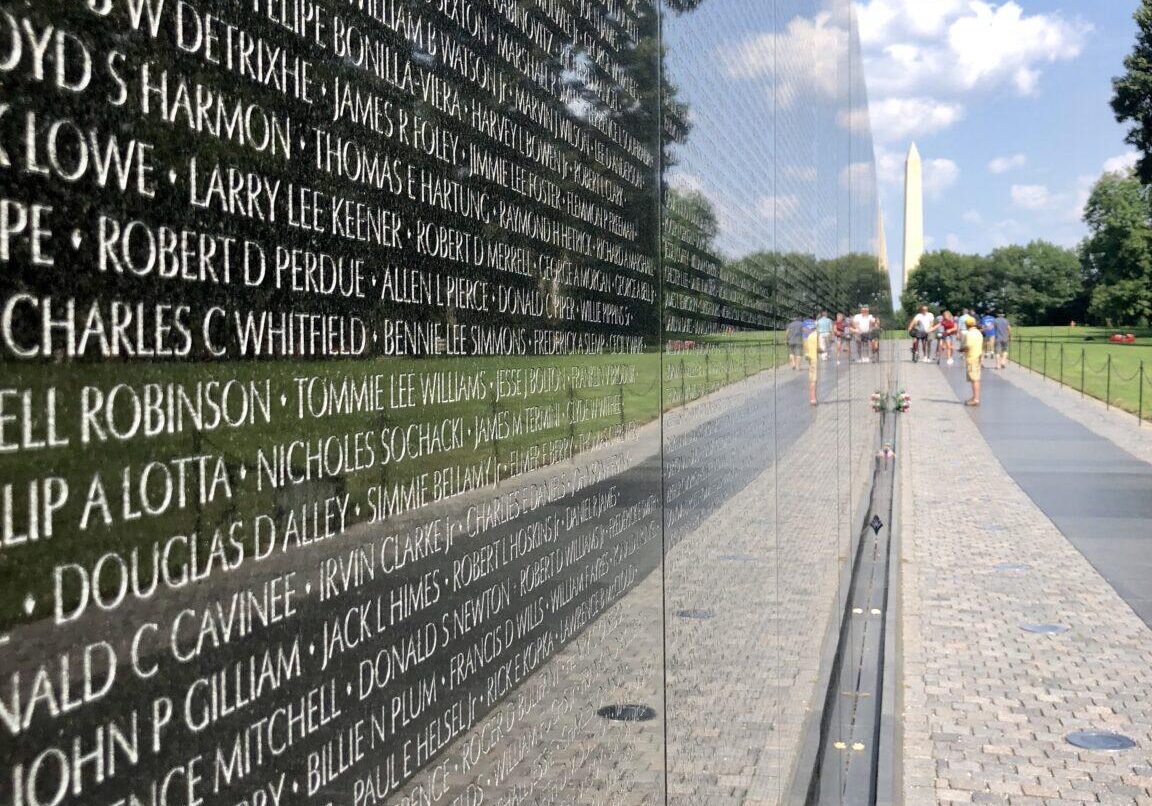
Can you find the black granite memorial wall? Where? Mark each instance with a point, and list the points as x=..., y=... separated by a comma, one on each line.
x=384, y=380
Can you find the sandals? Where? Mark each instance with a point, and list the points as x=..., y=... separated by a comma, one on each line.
x=972, y=403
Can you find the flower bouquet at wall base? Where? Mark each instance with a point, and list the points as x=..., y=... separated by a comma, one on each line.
x=899, y=402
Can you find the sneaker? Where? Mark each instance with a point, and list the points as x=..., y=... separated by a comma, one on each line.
x=949, y=362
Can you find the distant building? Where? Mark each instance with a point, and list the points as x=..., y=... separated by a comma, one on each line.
x=913, y=213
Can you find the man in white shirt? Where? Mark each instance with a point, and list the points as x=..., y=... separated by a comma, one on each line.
x=862, y=324
x=920, y=327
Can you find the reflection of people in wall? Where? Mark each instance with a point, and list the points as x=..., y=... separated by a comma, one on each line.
x=863, y=324
x=794, y=335
x=840, y=329
x=824, y=333
x=812, y=353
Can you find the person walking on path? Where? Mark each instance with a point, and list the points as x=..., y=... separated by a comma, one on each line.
x=840, y=331
x=794, y=335
x=1003, y=331
x=946, y=333
x=862, y=324
x=812, y=353
x=988, y=331
x=973, y=350
x=824, y=333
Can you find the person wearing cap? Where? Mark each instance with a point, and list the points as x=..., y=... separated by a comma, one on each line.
x=973, y=353
x=812, y=353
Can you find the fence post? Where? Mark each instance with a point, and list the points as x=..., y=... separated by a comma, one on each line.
x=1108, y=385
x=1030, y=369
x=1045, y=370
x=1061, y=364
x=1140, y=405
x=1083, y=357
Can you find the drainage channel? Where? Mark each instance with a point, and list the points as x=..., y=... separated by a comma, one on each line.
x=849, y=768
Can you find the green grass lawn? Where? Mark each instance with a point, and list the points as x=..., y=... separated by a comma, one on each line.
x=1084, y=359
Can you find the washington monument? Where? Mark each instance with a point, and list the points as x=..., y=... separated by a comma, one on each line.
x=913, y=213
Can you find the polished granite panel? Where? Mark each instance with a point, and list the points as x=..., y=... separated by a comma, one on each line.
x=378, y=373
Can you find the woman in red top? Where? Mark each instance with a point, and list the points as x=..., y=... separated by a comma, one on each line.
x=947, y=330
x=840, y=333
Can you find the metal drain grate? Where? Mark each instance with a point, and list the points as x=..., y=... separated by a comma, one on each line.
x=1099, y=740
x=627, y=713
x=1045, y=629
x=695, y=613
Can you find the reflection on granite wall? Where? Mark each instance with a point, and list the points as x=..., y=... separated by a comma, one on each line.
x=396, y=401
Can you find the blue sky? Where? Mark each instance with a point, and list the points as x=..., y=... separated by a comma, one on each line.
x=1007, y=101
x=1008, y=104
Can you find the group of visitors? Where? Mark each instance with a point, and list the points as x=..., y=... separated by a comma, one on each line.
x=976, y=337
x=812, y=340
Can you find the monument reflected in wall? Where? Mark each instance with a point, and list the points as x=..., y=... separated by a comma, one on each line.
x=382, y=377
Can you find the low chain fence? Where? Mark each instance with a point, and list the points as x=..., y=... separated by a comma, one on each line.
x=1122, y=381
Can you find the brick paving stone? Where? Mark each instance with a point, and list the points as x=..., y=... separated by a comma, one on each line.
x=979, y=695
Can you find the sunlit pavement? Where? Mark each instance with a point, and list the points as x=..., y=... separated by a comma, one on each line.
x=987, y=704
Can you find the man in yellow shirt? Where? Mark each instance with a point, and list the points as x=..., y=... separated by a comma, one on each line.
x=812, y=353
x=973, y=353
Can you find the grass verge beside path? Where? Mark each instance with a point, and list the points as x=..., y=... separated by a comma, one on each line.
x=1083, y=359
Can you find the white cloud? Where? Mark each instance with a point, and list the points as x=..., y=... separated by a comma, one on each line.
x=973, y=217
x=952, y=241
x=1005, y=232
x=889, y=165
x=939, y=175
x=925, y=58
x=995, y=44
x=800, y=61
x=1032, y=197
x=775, y=208
x=898, y=119
x=857, y=176
x=1121, y=164
x=801, y=173
x=1002, y=165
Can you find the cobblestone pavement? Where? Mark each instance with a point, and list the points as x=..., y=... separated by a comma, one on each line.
x=986, y=705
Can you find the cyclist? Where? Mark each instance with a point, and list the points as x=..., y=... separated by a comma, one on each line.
x=921, y=325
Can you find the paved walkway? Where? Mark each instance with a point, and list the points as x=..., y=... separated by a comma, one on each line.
x=985, y=704
x=1097, y=493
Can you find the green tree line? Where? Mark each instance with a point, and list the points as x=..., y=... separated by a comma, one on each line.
x=1106, y=280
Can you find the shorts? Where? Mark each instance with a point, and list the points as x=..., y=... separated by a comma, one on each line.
x=812, y=370
x=1001, y=347
x=796, y=350
x=974, y=369
x=823, y=339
